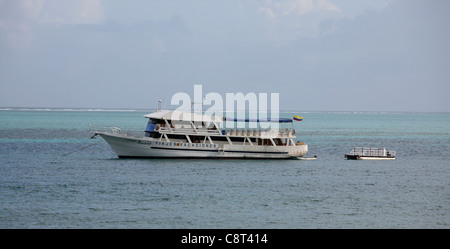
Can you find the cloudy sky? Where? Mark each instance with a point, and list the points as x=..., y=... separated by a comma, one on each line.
x=319, y=55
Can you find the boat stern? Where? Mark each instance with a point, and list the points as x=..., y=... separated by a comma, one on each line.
x=298, y=150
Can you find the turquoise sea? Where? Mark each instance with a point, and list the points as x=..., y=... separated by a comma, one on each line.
x=52, y=175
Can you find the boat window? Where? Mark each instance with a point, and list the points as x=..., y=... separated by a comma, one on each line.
x=150, y=127
x=197, y=139
x=264, y=142
x=278, y=141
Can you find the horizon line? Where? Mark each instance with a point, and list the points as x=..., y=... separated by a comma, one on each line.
x=121, y=109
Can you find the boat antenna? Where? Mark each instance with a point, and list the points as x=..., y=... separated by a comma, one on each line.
x=193, y=103
x=159, y=105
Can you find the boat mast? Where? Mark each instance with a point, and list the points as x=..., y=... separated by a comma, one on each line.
x=159, y=105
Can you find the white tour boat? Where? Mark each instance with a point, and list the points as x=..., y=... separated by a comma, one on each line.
x=360, y=153
x=173, y=134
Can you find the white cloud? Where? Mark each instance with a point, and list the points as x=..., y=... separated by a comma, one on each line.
x=19, y=18
x=268, y=12
x=301, y=7
x=91, y=12
x=287, y=20
x=326, y=5
x=14, y=13
x=31, y=8
x=72, y=12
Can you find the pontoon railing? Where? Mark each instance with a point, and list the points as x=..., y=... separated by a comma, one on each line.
x=364, y=151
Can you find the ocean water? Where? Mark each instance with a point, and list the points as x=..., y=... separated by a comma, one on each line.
x=52, y=175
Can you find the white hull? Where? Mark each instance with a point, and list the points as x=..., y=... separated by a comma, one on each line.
x=132, y=147
x=375, y=158
x=307, y=158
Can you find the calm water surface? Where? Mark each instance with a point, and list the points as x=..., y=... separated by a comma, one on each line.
x=47, y=179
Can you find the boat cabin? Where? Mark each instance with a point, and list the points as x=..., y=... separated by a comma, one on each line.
x=197, y=128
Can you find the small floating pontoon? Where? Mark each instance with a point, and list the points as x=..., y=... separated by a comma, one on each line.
x=307, y=158
x=360, y=153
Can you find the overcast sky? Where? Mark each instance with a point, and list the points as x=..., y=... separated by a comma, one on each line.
x=319, y=55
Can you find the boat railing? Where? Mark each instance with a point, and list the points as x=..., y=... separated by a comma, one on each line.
x=259, y=133
x=282, y=133
x=368, y=151
x=114, y=130
x=163, y=129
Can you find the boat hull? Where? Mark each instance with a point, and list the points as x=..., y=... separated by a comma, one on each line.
x=131, y=147
x=358, y=157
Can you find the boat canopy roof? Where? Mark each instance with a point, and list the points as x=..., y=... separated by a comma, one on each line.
x=183, y=116
x=275, y=120
x=158, y=114
x=187, y=116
